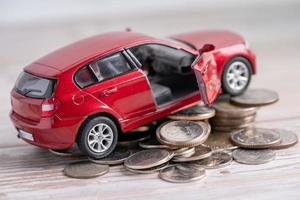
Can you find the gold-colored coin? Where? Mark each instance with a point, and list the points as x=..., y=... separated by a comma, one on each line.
x=256, y=97
x=183, y=133
x=220, y=140
x=85, y=169
x=148, y=158
x=257, y=138
x=182, y=173
x=194, y=113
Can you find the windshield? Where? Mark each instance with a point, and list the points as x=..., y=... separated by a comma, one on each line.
x=174, y=40
x=34, y=86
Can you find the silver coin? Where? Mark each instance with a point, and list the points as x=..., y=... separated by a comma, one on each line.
x=220, y=140
x=197, y=112
x=85, y=169
x=183, y=133
x=180, y=131
x=148, y=170
x=217, y=159
x=257, y=138
x=186, y=155
x=288, y=139
x=182, y=173
x=72, y=152
x=201, y=152
x=256, y=97
x=253, y=157
x=184, y=151
x=116, y=157
x=224, y=109
x=148, y=158
x=152, y=143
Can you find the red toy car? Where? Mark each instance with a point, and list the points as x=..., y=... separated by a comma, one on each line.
x=91, y=91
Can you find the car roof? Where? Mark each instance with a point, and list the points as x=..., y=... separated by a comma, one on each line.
x=75, y=53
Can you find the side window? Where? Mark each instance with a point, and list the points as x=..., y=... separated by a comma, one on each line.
x=84, y=77
x=111, y=66
x=163, y=59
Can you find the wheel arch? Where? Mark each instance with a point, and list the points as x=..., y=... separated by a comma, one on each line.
x=223, y=58
x=252, y=63
x=225, y=88
x=100, y=114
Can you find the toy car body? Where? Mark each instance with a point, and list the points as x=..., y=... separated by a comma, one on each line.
x=91, y=91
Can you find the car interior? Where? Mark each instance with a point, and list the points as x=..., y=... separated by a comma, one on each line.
x=168, y=70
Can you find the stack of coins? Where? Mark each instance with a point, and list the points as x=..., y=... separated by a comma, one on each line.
x=257, y=144
x=184, y=137
x=231, y=117
x=236, y=114
x=195, y=113
x=182, y=150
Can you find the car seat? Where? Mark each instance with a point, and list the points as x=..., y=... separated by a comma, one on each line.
x=161, y=93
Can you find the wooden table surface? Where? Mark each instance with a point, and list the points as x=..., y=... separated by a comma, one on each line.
x=273, y=30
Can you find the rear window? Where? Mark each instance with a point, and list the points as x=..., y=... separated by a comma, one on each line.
x=103, y=69
x=34, y=86
x=110, y=66
x=84, y=77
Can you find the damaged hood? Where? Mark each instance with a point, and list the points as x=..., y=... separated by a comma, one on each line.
x=218, y=38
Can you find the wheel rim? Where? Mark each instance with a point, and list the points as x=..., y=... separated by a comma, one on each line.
x=237, y=76
x=100, y=138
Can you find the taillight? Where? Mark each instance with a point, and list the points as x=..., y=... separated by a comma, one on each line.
x=49, y=107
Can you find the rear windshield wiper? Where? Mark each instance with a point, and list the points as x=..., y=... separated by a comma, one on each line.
x=27, y=91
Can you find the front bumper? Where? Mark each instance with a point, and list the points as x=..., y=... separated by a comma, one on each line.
x=50, y=133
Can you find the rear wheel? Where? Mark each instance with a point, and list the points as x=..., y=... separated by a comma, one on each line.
x=236, y=76
x=98, y=137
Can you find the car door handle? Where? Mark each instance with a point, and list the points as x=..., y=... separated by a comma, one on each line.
x=109, y=91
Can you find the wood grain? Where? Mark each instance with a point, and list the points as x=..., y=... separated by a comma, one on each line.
x=27, y=172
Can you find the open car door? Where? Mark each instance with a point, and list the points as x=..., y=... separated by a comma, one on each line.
x=209, y=84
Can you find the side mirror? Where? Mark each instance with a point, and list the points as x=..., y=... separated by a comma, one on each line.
x=206, y=48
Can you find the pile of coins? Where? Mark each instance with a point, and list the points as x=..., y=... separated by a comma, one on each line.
x=230, y=117
x=194, y=140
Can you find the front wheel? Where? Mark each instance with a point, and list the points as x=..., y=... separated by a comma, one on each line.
x=236, y=76
x=98, y=137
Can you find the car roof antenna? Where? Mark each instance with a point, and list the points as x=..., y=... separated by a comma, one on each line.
x=128, y=29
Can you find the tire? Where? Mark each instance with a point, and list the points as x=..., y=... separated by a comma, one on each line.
x=103, y=143
x=236, y=76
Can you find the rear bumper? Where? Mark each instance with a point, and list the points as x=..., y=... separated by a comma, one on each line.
x=50, y=133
